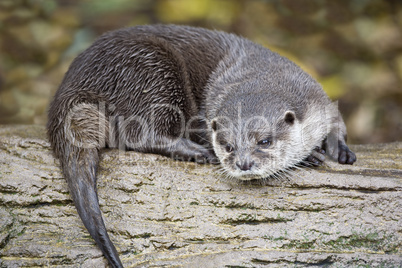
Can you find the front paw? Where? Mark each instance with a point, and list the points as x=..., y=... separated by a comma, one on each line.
x=316, y=158
x=345, y=155
x=204, y=157
x=199, y=155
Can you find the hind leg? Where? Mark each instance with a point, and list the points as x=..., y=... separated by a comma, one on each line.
x=138, y=135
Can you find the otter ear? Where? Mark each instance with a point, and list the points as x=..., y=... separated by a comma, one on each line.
x=214, y=125
x=290, y=117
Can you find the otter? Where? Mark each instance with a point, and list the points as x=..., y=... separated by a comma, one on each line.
x=191, y=94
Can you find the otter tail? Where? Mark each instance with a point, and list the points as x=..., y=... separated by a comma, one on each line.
x=76, y=142
x=81, y=177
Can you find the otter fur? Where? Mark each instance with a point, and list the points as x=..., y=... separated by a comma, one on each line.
x=191, y=94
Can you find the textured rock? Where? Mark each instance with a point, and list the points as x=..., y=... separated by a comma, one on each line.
x=161, y=212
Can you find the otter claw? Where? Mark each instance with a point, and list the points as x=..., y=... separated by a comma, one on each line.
x=346, y=156
x=316, y=158
x=200, y=157
x=206, y=157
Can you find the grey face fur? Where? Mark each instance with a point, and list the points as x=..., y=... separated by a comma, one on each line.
x=254, y=147
x=266, y=114
x=192, y=94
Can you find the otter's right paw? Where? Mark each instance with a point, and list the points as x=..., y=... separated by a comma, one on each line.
x=346, y=156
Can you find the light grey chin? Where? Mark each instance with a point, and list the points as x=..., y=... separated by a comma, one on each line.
x=246, y=175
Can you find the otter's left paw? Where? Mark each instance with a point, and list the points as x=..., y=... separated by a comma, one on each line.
x=316, y=158
x=205, y=156
x=346, y=156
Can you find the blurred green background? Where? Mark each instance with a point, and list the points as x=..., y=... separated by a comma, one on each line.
x=354, y=48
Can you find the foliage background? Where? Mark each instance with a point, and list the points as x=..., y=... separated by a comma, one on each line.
x=353, y=47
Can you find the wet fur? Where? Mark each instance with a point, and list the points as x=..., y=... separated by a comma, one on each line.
x=132, y=75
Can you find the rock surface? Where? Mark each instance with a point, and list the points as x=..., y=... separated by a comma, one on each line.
x=165, y=213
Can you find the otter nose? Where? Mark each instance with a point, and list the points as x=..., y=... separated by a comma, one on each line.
x=245, y=165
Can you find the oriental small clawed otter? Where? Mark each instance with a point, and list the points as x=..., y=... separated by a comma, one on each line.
x=192, y=94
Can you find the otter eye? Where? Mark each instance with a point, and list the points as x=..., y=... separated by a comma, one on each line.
x=229, y=148
x=264, y=143
x=222, y=142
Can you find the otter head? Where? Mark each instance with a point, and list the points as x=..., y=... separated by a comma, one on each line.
x=253, y=145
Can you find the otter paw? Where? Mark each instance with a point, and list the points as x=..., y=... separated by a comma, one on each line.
x=200, y=156
x=316, y=158
x=346, y=156
x=205, y=157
